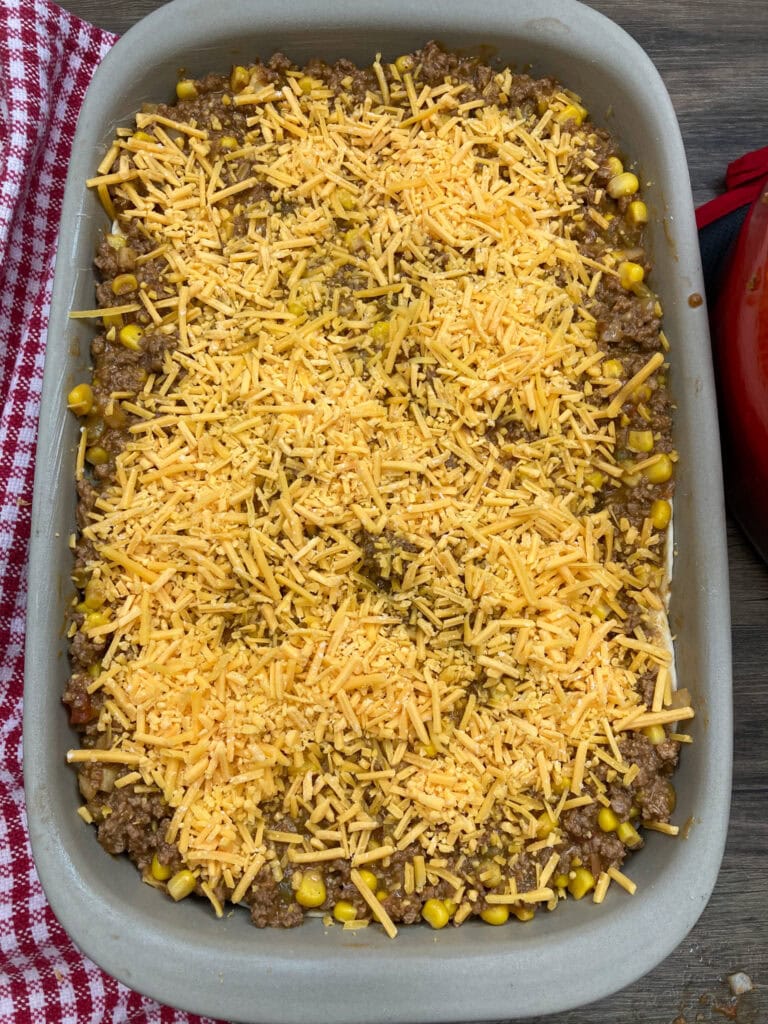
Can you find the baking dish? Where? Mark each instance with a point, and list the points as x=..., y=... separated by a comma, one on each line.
x=183, y=955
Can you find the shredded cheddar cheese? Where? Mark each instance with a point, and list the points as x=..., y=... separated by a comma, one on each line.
x=356, y=573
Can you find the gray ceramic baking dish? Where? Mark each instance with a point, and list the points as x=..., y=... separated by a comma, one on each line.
x=181, y=954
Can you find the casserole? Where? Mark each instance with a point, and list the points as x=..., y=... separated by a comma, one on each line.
x=550, y=964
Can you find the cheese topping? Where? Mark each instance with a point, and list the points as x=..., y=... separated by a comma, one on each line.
x=356, y=572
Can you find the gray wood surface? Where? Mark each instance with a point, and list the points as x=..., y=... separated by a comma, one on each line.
x=713, y=56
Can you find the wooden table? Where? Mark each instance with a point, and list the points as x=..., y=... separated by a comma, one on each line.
x=713, y=56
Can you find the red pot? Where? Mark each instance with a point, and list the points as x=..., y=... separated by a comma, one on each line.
x=740, y=336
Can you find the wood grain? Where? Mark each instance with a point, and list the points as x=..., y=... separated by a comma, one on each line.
x=713, y=56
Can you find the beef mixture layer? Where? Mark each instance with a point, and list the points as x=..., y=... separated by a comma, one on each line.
x=375, y=484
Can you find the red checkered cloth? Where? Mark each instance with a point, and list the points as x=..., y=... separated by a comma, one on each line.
x=47, y=58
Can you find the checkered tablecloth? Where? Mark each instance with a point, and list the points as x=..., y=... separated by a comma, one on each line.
x=47, y=58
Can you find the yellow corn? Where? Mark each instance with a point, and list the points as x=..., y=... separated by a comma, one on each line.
x=612, y=368
x=451, y=906
x=238, y=78
x=97, y=456
x=95, y=619
x=607, y=819
x=404, y=64
x=572, y=112
x=580, y=883
x=80, y=399
x=370, y=879
x=130, y=337
x=655, y=734
x=637, y=212
x=435, y=913
x=124, y=283
x=640, y=440
x=228, y=142
x=595, y=479
x=111, y=320
x=498, y=914
x=380, y=331
x=344, y=911
x=629, y=835
x=116, y=241
x=660, y=471
x=630, y=274
x=186, y=89
x=307, y=84
x=490, y=874
x=160, y=872
x=661, y=513
x=142, y=137
x=546, y=826
x=94, y=595
x=346, y=199
x=615, y=166
x=560, y=881
x=524, y=913
x=311, y=891
x=624, y=184
x=296, y=308
x=181, y=885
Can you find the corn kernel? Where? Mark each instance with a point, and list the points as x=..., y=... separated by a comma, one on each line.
x=380, y=331
x=142, y=137
x=130, y=337
x=496, y=915
x=615, y=166
x=612, y=368
x=95, y=619
x=629, y=835
x=661, y=513
x=607, y=819
x=80, y=399
x=296, y=308
x=524, y=913
x=572, y=112
x=637, y=212
x=660, y=471
x=451, y=906
x=369, y=879
x=381, y=895
x=307, y=84
x=580, y=883
x=404, y=64
x=94, y=595
x=238, y=78
x=112, y=320
x=630, y=274
x=655, y=734
x=311, y=891
x=560, y=881
x=97, y=456
x=346, y=199
x=160, y=872
x=546, y=826
x=490, y=874
x=595, y=479
x=228, y=142
x=435, y=913
x=624, y=184
x=124, y=283
x=116, y=241
x=186, y=89
x=640, y=440
x=344, y=911
x=181, y=885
